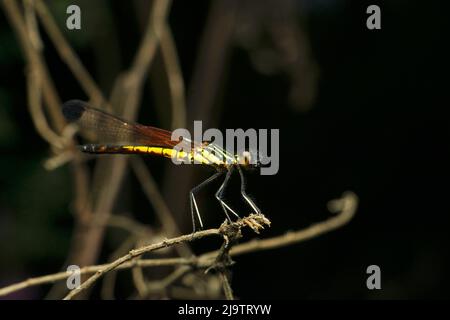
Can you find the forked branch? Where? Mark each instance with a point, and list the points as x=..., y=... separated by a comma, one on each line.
x=345, y=207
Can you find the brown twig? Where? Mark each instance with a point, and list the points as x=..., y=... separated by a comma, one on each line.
x=68, y=55
x=174, y=78
x=109, y=281
x=159, y=205
x=226, y=285
x=137, y=229
x=138, y=252
x=139, y=280
x=156, y=286
x=34, y=59
x=346, y=206
x=52, y=278
x=35, y=108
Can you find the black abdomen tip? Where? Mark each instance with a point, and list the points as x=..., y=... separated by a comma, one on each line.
x=88, y=148
x=73, y=109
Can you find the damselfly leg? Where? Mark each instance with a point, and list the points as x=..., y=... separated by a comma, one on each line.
x=193, y=202
x=220, y=192
x=244, y=194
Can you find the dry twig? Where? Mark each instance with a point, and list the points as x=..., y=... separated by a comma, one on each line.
x=346, y=206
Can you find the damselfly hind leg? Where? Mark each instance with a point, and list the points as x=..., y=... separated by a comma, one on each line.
x=244, y=194
x=193, y=202
x=219, y=195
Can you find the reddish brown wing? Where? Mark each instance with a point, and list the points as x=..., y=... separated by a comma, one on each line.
x=105, y=128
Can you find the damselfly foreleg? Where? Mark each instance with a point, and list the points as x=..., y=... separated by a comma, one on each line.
x=219, y=195
x=244, y=194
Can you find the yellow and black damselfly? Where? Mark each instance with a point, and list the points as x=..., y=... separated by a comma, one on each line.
x=117, y=136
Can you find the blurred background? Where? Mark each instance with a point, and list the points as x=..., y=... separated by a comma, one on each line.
x=358, y=109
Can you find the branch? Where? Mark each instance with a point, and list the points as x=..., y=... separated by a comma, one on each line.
x=162, y=284
x=158, y=203
x=52, y=278
x=347, y=206
x=68, y=55
x=34, y=60
x=138, y=252
x=109, y=282
x=175, y=82
x=226, y=285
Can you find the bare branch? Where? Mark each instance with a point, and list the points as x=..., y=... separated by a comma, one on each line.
x=159, y=205
x=156, y=286
x=226, y=285
x=35, y=60
x=138, y=252
x=68, y=55
x=346, y=206
x=174, y=78
x=35, y=107
x=52, y=278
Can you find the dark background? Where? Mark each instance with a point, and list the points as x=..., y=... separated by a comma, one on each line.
x=377, y=125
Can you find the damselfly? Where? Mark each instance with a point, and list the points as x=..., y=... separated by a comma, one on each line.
x=117, y=136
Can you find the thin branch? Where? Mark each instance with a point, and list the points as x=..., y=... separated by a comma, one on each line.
x=160, y=285
x=159, y=205
x=138, y=252
x=32, y=25
x=35, y=59
x=52, y=278
x=128, y=224
x=58, y=160
x=346, y=206
x=174, y=78
x=152, y=36
x=139, y=280
x=138, y=273
x=36, y=112
x=68, y=55
x=129, y=85
x=212, y=57
x=109, y=281
x=226, y=285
